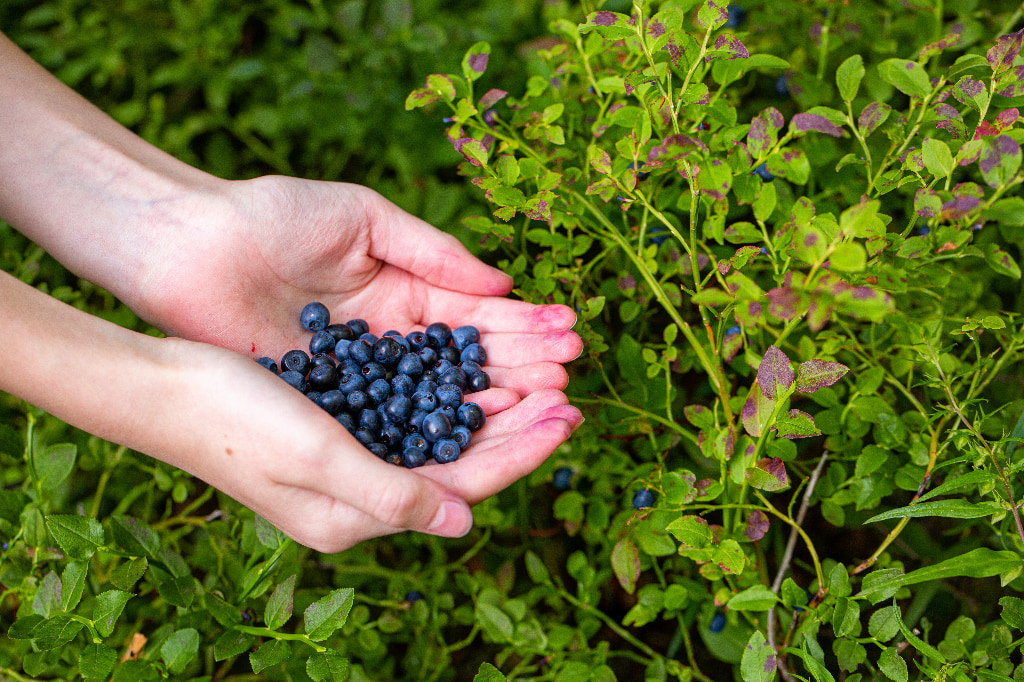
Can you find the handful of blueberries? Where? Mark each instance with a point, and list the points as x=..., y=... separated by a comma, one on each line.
x=402, y=396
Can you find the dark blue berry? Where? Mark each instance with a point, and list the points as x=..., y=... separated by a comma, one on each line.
x=414, y=440
x=478, y=381
x=436, y=426
x=364, y=436
x=428, y=356
x=454, y=376
x=414, y=596
x=469, y=367
x=348, y=366
x=417, y=340
x=449, y=412
x=398, y=408
x=426, y=385
x=372, y=371
x=312, y=395
x=717, y=622
x=387, y=351
x=475, y=353
x=378, y=449
x=323, y=378
x=345, y=419
x=332, y=401
x=314, y=317
x=361, y=351
x=357, y=400
x=445, y=450
x=397, y=336
x=642, y=499
x=762, y=172
x=295, y=379
x=370, y=420
x=657, y=235
x=465, y=335
x=415, y=421
x=471, y=416
x=462, y=436
x=402, y=384
x=413, y=457
x=410, y=365
x=321, y=359
x=392, y=436
x=351, y=382
x=369, y=338
x=322, y=342
x=358, y=327
x=737, y=15
x=268, y=363
x=448, y=395
x=439, y=334
x=562, y=478
x=443, y=366
x=295, y=361
x=782, y=86
x=378, y=391
x=450, y=354
x=340, y=331
x=341, y=349
x=732, y=330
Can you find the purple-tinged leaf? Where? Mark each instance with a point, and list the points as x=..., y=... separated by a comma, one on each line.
x=474, y=62
x=932, y=49
x=699, y=416
x=817, y=374
x=472, y=150
x=764, y=131
x=1001, y=261
x=713, y=14
x=819, y=312
x=802, y=123
x=873, y=116
x=420, y=97
x=1000, y=161
x=599, y=159
x=796, y=424
x=927, y=203
x=757, y=410
x=490, y=98
x=971, y=92
x=611, y=25
x=675, y=147
x=786, y=302
x=732, y=344
x=757, y=525
x=769, y=474
x=442, y=85
x=774, y=374
x=724, y=444
x=1002, y=55
x=730, y=46
x=1007, y=119
x=1012, y=85
x=949, y=119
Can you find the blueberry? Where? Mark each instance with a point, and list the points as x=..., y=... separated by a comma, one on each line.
x=732, y=330
x=762, y=172
x=370, y=420
x=449, y=412
x=414, y=440
x=378, y=391
x=402, y=384
x=436, y=426
x=321, y=359
x=448, y=395
x=372, y=371
x=387, y=351
x=717, y=622
x=332, y=401
x=465, y=335
x=414, y=596
x=345, y=419
x=358, y=327
x=478, y=381
x=392, y=436
x=443, y=366
x=397, y=336
x=782, y=86
x=426, y=385
x=351, y=382
x=413, y=457
x=469, y=367
x=322, y=342
x=323, y=378
x=410, y=365
x=361, y=351
x=737, y=15
x=642, y=499
x=379, y=449
x=340, y=331
x=450, y=354
x=295, y=361
x=562, y=478
x=348, y=366
x=415, y=422
x=454, y=376
x=474, y=352
x=268, y=363
x=295, y=379
x=314, y=317
x=357, y=400
x=471, y=416
x=398, y=408
x=428, y=356
x=312, y=395
x=341, y=349
x=417, y=340
x=364, y=436
x=439, y=335
x=445, y=450
x=462, y=436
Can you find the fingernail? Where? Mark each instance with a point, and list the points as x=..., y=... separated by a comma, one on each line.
x=452, y=520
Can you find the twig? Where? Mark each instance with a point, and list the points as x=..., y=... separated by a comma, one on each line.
x=787, y=557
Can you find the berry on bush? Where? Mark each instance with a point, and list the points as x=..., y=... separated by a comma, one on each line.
x=562, y=478
x=402, y=397
x=642, y=499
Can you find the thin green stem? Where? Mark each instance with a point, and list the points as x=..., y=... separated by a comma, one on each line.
x=275, y=634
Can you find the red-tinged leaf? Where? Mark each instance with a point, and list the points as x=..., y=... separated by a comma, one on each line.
x=769, y=474
x=764, y=131
x=626, y=564
x=757, y=525
x=796, y=424
x=873, y=116
x=1000, y=161
x=611, y=25
x=599, y=159
x=786, y=303
x=757, y=410
x=817, y=374
x=932, y=49
x=950, y=120
x=774, y=374
x=927, y=203
x=474, y=63
x=420, y=98
x=713, y=14
x=1006, y=119
x=1013, y=86
x=490, y=98
x=802, y=123
x=1002, y=55
x=730, y=46
x=472, y=150
x=971, y=92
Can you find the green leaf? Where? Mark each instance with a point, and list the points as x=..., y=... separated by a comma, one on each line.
x=915, y=641
x=1013, y=612
x=599, y=159
x=611, y=25
x=883, y=625
x=814, y=665
x=494, y=622
x=908, y=77
x=279, y=606
x=420, y=97
x=179, y=649
x=691, y=531
x=72, y=584
x=846, y=617
x=796, y=424
x=231, y=643
x=937, y=157
x=96, y=661
x=178, y=591
x=269, y=654
x=1001, y=261
x=769, y=474
x=134, y=536
x=626, y=564
x=756, y=598
x=536, y=569
x=848, y=77
x=108, y=608
x=328, y=613
x=128, y=573
x=55, y=632
x=758, y=663
x=488, y=673
x=327, y=666
x=46, y=601
x=977, y=563
x=950, y=509
x=848, y=257
x=892, y=665
x=78, y=536
x=53, y=464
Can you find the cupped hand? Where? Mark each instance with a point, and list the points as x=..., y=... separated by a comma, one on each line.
x=240, y=272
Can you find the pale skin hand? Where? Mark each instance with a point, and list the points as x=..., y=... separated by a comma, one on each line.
x=231, y=264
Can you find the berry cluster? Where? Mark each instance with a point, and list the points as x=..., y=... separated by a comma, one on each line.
x=400, y=396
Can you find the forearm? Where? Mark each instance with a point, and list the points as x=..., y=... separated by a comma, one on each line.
x=66, y=168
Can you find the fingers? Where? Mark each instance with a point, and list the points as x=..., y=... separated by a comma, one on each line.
x=495, y=314
x=528, y=378
x=515, y=350
x=416, y=246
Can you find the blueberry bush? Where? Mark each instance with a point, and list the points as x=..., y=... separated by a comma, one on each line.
x=792, y=232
